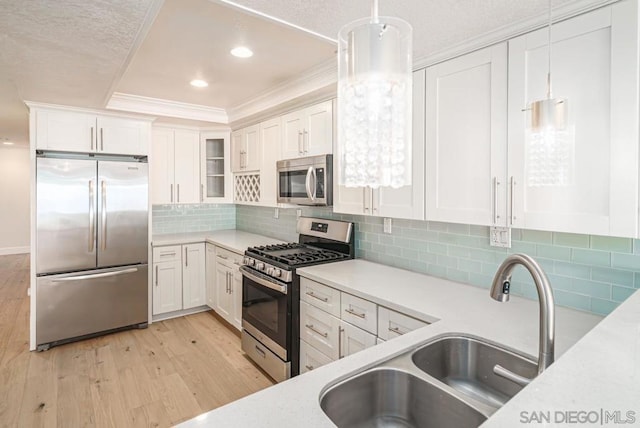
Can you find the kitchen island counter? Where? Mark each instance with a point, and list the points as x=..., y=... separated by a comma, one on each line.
x=454, y=309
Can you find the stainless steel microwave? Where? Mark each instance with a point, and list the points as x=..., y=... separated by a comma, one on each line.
x=306, y=181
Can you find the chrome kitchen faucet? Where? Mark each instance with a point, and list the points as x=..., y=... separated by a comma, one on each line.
x=500, y=292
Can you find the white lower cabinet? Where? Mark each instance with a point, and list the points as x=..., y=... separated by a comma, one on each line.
x=178, y=277
x=334, y=324
x=211, y=275
x=227, y=285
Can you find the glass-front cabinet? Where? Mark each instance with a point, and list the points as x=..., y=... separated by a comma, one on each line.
x=215, y=182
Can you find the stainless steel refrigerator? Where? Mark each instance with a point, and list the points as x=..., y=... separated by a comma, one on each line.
x=91, y=246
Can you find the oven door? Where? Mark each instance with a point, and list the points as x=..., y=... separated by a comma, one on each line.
x=266, y=311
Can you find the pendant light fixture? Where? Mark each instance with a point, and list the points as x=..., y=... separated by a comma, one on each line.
x=550, y=138
x=374, y=102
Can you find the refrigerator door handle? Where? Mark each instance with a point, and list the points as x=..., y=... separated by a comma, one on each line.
x=95, y=275
x=92, y=213
x=104, y=215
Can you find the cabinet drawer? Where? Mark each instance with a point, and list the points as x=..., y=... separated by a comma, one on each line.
x=228, y=256
x=354, y=339
x=167, y=253
x=393, y=324
x=320, y=296
x=359, y=312
x=311, y=358
x=320, y=330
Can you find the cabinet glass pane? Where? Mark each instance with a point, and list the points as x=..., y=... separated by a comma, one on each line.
x=215, y=187
x=215, y=148
x=215, y=166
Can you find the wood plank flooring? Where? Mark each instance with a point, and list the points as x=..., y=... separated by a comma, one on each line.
x=155, y=377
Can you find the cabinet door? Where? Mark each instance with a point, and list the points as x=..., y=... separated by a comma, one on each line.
x=466, y=113
x=193, y=276
x=237, y=150
x=349, y=200
x=236, y=296
x=408, y=201
x=65, y=131
x=122, y=136
x=595, y=66
x=210, y=270
x=318, y=129
x=223, y=290
x=253, y=154
x=354, y=339
x=187, y=166
x=215, y=167
x=162, y=167
x=167, y=286
x=292, y=134
x=270, y=139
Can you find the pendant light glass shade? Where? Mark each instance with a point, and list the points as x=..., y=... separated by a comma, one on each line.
x=374, y=102
x=550, y=138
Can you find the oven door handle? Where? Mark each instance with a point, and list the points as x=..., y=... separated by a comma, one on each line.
x=272, y=285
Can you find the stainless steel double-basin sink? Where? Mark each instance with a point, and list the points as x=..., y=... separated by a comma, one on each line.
x=447, y=382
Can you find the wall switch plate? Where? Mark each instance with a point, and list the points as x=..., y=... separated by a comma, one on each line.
x=276, y=213
x=298, y=213
x=500, y=236
x=387, y=225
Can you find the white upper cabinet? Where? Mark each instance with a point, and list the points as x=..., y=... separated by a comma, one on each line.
x=83, y=132
x=215, y=167
x=270, y=137
x=308, y=132
x=594, y=65
x=405, y=202
x=245, y=149
x=466, y=116
x=175, y=166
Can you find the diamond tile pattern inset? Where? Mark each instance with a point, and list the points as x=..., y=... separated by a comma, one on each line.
x=247, y=188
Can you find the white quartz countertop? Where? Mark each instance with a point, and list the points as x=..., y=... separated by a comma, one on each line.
x=231, y=239
x=455, y=308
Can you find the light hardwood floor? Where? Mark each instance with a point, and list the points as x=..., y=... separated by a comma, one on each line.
x=159, y=376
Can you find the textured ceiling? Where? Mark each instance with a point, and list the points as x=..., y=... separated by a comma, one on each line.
x=437, y=24
x=63, y=51
x=192, y=38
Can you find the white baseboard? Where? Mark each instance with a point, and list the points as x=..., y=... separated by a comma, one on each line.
x=13, y=250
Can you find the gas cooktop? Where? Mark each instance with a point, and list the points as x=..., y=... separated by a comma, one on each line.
x=294, y=254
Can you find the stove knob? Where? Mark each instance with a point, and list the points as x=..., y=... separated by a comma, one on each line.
x=252, y=262
x=245, y=261
x=260, y=266
x=277, y=272
x=270, y=271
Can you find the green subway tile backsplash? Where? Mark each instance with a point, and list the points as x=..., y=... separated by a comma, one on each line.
x=591, y=273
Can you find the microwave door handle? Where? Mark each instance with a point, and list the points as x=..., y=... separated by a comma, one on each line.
x=315, y=184
x=307, y=183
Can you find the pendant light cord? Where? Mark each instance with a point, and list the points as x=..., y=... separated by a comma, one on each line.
x=549, y=56
x=374, y=12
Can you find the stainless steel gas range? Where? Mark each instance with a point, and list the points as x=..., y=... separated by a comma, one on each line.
x=271, y=291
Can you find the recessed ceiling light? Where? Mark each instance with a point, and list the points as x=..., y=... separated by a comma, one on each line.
x=7, y=143
x=242, y=52
x=199, y=83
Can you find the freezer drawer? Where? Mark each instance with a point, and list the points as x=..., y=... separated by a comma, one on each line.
x=82, y=303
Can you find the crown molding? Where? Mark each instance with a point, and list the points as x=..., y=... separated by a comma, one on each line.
x=515, y=29
x=159, y=107
x=315, y=79
x=34, y=105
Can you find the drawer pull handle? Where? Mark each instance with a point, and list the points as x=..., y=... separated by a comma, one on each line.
x=261, y=352
x=352, y=312
x=312, y=294
x=308, y=367
x=396, y=330
x=223, y=257
x=167, y=254
x=315, y=330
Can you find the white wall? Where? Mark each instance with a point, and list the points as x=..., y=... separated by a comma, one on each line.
x=14, y=199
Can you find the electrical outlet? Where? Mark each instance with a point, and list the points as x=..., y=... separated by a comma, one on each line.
x=387, y=225
x=500, y=237
x=298, y=213
x=276, y=213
